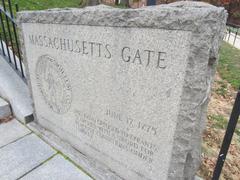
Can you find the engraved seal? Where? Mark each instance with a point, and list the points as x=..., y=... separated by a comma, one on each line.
x=53, y=83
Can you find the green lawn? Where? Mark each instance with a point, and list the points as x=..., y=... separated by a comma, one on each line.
x=46, y=4
x=229, y=64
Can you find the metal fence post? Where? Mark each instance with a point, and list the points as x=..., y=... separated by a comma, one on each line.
x=9, y=38
x=235, y=36
x=3, y=51
x=10, y=34
x=15, y=36
x=228, y=137
x=5, y=36
x=229, y=31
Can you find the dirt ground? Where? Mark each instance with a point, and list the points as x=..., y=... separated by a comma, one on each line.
x=219, y=110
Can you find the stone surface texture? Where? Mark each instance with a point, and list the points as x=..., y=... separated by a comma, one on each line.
x=5, y=109
x=141, y=122
x=55, y=169
x=11, y=131
x=16, y=92
x=20, y=157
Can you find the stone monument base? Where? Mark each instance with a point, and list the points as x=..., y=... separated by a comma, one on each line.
x=90, y=166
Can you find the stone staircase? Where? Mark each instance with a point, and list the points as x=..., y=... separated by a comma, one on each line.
x=5, y=110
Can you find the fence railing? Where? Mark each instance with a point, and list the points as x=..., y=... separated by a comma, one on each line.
x=232, y=34
x=227, y=138
x=9, y=41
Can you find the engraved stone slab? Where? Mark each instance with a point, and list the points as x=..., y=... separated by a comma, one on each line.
x=127, y=87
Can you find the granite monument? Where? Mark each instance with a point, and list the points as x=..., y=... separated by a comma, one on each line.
x=128, y=87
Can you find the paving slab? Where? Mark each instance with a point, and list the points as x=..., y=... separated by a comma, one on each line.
x=22, y=156
x=5, y=109
x=11, y=131
x=55, y=169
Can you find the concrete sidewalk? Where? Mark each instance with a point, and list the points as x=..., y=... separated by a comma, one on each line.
x=25, y=156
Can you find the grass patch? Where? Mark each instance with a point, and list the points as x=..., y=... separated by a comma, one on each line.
x=222, y=89
x=238, y=131
x=219, y=121
x=229, y=64
x=46, y=4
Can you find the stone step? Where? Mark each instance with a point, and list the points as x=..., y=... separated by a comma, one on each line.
x=5, y=109
x=16, y=92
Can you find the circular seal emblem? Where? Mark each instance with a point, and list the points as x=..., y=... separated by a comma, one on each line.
x=53, y=83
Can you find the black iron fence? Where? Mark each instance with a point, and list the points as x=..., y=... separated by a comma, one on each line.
x=9, y=47
x=228, y=137
x=232, y=34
